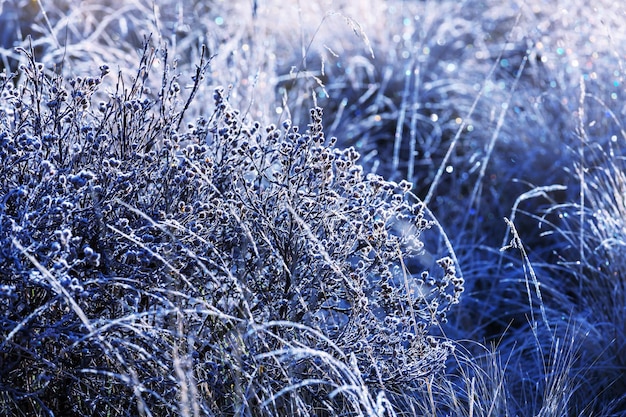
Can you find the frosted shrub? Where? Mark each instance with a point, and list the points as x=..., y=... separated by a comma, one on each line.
x=156, y=265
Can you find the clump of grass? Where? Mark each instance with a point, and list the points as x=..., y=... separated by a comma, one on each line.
x=587, y=263
x=153, y=265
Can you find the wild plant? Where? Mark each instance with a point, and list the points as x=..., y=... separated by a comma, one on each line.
x=151, y=264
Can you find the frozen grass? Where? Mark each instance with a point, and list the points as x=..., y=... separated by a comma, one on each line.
x=142, y=281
